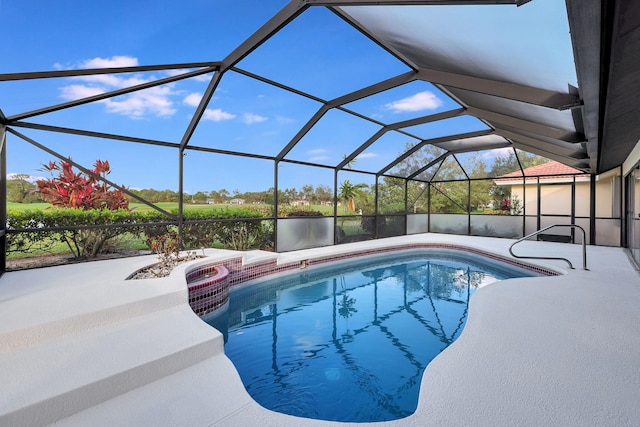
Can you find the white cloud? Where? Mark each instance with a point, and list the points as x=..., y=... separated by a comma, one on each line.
x=366, y=156
x=250, y=118
x=199, y=78
x=420, y=101
x=108, y=81
x=318, y=155
x=193, y=99
x=176, y=72
x=73, y=92
x=497, y=152
x=283, y=120
x=217, y=115
x=203, y=77
x=317, y=151
x=155, y=101
x=114, y=61
x=318, y=158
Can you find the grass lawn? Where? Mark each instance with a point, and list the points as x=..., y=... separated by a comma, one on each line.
x=27, y=206
x=169, y=206
x=125, y=242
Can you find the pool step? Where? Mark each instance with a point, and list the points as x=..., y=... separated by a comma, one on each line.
x=47, y=304
x=53, y=379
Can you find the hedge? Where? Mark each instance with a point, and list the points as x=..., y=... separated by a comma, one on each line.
x=41, y=229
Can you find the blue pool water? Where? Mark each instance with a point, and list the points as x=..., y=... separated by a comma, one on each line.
x=351, y=342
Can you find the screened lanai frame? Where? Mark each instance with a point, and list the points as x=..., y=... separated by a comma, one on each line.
x=543, y=121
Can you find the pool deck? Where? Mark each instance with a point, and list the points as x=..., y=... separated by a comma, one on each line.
x=81, y=346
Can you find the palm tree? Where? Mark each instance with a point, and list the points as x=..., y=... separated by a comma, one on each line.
x=348, y=193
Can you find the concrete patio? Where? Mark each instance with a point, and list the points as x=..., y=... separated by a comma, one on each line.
x=80, y=345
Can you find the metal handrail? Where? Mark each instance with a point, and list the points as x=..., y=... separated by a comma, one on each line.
x=584, y=245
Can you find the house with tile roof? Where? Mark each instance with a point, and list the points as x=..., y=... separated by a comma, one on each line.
x=548, y=170
x=554, y=193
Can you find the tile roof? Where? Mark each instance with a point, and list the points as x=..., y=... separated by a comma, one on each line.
x=551, y=169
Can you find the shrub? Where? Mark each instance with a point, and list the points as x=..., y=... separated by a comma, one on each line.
x=238, y=229
x=369, y=223
x=167, y=248
x=32, y=240
x=305, y=213
x=45, y=227
x=88, y=243
x=69, y=189
x=83, y=200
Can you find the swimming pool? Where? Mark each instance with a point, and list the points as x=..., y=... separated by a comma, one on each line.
x=351, y=342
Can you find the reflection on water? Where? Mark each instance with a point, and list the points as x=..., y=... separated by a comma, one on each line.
x=350, y=346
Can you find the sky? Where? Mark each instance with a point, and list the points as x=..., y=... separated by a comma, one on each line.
x=317, y=53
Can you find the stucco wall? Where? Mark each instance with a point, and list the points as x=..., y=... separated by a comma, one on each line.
x=556, y=199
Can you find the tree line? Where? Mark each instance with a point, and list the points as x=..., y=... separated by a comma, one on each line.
x=314, y=195
x=448, y=193
x=21, y=190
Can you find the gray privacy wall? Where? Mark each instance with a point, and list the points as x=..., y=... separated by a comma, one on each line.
x=304, y=233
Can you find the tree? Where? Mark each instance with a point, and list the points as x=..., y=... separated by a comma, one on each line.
x=507, y=164
x=450, y=192
x=200, y=197
x=480, y=195
x=417, y=160
x=269, y=196
x=306, y=192
x=224, y=195
x=287, y=196
x=323, y=193
x=20, y=190
x=350, y=163
x=216, y=196
x=349, y=192
x=167, y=196
x=391, y=195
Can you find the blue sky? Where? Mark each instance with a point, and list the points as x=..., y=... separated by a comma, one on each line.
x=317, y=53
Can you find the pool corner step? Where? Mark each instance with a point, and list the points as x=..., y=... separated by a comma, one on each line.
x=54, y=379
x=83, y=312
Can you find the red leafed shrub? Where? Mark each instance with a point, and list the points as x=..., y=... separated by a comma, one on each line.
x=505, y=205
x=86, y=193
x=79, y=190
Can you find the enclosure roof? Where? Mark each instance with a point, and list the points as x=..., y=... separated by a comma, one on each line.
x=537, y=102
x=573, y=98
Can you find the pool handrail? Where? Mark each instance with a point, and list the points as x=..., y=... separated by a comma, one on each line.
x=584, y=245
